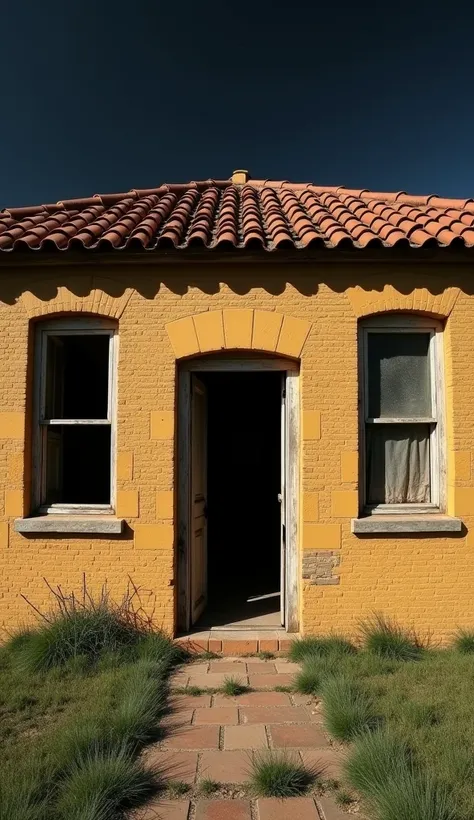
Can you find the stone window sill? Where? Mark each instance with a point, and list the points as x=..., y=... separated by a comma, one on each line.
x=394, y=524
x=82, y=525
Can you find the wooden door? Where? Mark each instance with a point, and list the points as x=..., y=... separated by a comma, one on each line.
x=198, y=498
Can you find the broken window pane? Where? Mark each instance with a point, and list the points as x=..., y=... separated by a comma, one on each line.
x=78, y=464
x=399, y=375
x=77, y=376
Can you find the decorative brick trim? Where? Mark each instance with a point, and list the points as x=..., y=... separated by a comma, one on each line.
x=238, y=329
x=319, y=565
x=100, y=301
x=388, y=299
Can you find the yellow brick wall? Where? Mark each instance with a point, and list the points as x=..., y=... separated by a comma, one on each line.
x=422, y=581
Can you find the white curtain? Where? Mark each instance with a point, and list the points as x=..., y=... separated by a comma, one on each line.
x=398, y=464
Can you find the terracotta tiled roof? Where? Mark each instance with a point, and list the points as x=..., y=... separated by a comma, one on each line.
x=259, y=214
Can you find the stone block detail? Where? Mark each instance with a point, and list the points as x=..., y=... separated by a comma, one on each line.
x=12, y=425
x=311, y=425
x=238, y=328
x=162, y=425
x=13, y=503
x=266, y=330
x=319, y=566
x=125, y=466
x=127, y=503
x=164, y=504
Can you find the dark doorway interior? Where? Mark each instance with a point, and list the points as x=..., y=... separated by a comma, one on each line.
x=244, y=480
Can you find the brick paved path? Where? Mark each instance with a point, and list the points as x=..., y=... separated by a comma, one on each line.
x=211, y=736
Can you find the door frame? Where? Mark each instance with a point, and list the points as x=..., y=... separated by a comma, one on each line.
x=292, y=476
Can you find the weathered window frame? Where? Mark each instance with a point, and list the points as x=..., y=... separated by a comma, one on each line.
x=407, y=324
x=70, y=327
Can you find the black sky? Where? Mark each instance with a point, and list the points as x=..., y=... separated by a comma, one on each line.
x=101, y=96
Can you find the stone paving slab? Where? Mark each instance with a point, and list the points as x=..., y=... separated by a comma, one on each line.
x=254, y=699
x=296, y=808
x=178, y=702
x=301, y=736
x=176, y=718
x=172, y=765
x=160, y=809
x=329, y=811
x=245, y=737
x=274, y=714
x=193, y=737
x=214, y=680
x=223, y=810
x=223, y=715
x=225, y=766
x=269, y=681
x=228, y=667
x=327, y=762
x=261, y=668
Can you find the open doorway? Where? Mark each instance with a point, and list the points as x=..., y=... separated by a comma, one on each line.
x=237, y=456
x=243, y=499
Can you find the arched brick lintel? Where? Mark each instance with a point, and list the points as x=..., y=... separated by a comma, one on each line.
x=238, y=329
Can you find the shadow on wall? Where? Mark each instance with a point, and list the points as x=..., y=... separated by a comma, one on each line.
x=304, y=275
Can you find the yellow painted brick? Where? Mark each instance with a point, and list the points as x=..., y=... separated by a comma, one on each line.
x=13, y=503
x=470, y=537
x=349, y=466
x=459, y=465
x=15, y=467
x=4, y=534
x=183, y=338
x=310, y=506
x=210, y=330
x=12, y=425
x=344, y=503
x=127, y=504
x=321, y=536
x=293, y=335
x=238, y=328
x=162, y=424
x=125, y=466
x=164, y=504
x=311, y=425
x=464, y=501
x=154, y=536
x=266, y=330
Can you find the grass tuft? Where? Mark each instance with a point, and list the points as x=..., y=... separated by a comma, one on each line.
x=312, y=646
x=347, y=708
x=382, y=769
x=278, y=774
x=233, y=687
x=464, y=641
x=194, y=691
x=208, y=787
x=387, y=639
x=310, y=678
x=266, y=656
x=177, y=788
x=101, y=785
